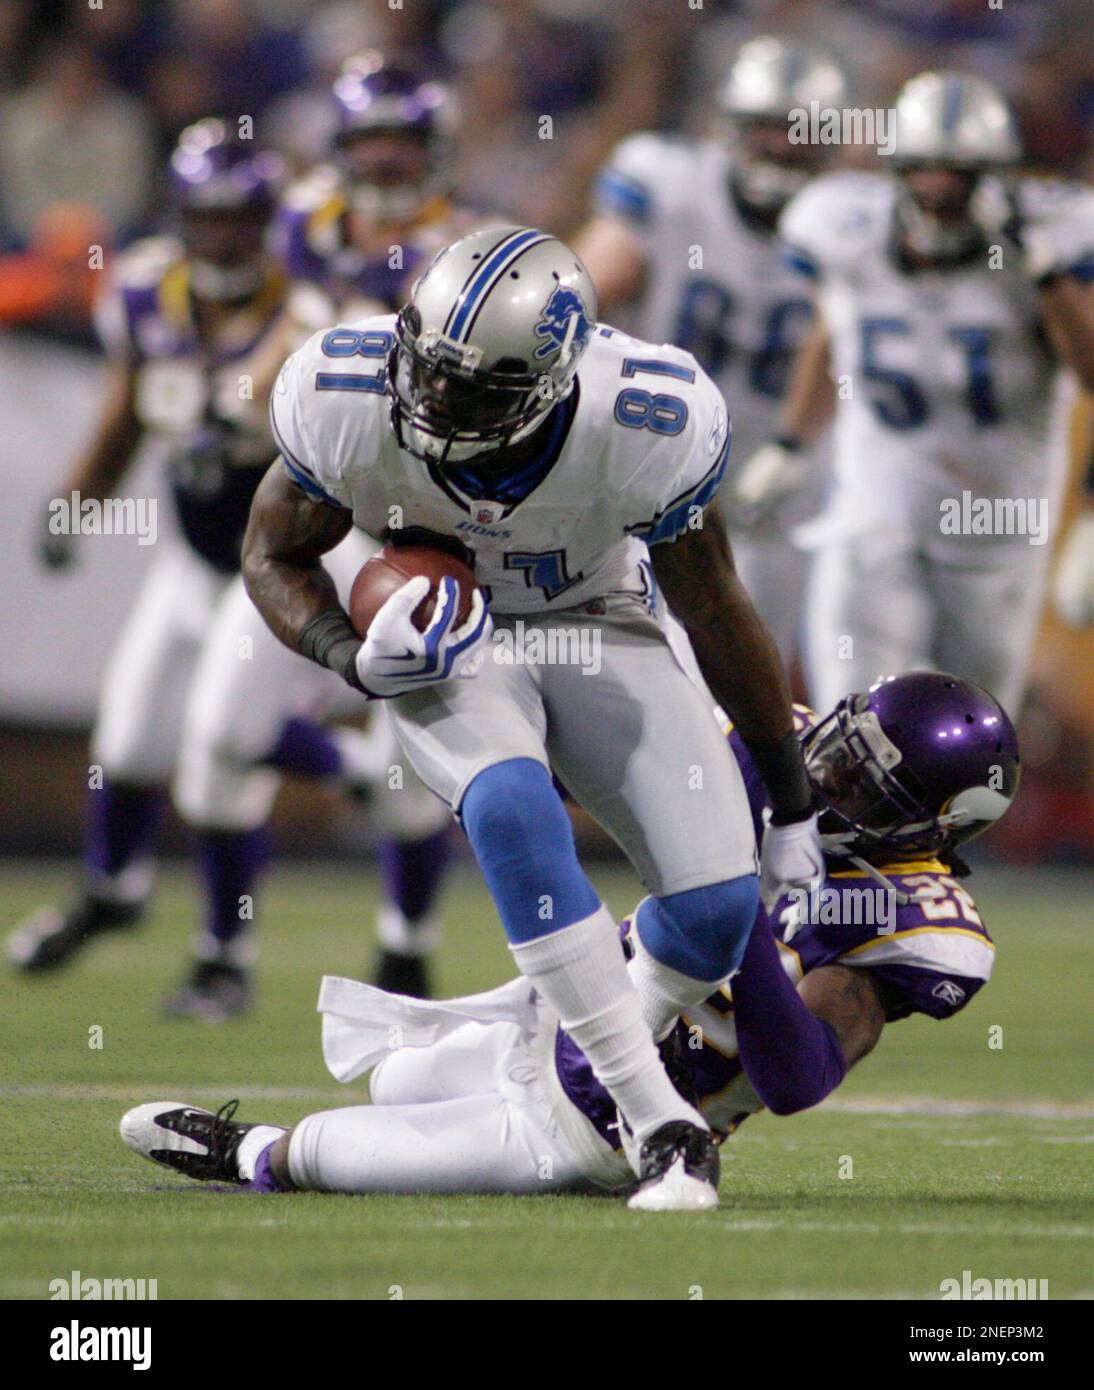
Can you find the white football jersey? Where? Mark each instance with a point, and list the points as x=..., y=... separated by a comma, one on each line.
x=715, y=283
x=634, y=454
x=946, y=380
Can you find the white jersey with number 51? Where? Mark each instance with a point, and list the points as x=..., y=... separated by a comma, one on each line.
x=947, y=382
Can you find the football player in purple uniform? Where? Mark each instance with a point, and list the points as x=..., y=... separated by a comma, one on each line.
x=352, y=234
x=489, y=1094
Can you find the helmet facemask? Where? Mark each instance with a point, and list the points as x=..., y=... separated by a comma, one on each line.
x=447, y=408
x=939, y=223
x=866, y=807
x=768, y=170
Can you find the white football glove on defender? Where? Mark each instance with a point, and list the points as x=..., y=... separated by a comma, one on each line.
x=395, y=657
x=1073, y=585
x=773, y=472
x=790, y=857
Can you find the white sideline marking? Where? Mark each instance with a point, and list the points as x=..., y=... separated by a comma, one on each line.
x=931, y=1107
x=960, y=1109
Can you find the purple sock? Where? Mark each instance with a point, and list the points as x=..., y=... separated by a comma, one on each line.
x=231, y=861
x=306, y=749
x=792, y=1057
x=412, y=871
x=123, y=821
x=264, y=1180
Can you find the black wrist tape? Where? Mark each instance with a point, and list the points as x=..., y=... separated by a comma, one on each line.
x=782, y=768
x=331, y=640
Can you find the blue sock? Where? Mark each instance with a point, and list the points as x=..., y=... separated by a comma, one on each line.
x=230, y=863
x=703, y=932
x=522, y=838
x=307, y=749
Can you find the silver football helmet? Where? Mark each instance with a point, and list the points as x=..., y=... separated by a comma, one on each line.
x=956, y=120
x=489, y=343
x=951, y=128
x=769, y=79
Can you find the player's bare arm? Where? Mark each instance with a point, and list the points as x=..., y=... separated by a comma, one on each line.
x=851, y=1002
x=286, y=538
x=736, y=655
x=778, y=468
x=810, y=397
x=99, y=470
x=1067, y=309
x=614, y=258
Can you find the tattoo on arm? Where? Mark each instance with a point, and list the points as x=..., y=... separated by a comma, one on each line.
x=851, y=1002
x=287, y=534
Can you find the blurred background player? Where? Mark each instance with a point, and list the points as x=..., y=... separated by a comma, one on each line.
x=684, y=234
x=958, y=305
x=182, y=315
x=353, y=234
x=485, y=1088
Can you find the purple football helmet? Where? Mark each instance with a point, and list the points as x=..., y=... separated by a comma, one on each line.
x=212, y=170
x=918, y=764
x=224, y=192
x=393, y=137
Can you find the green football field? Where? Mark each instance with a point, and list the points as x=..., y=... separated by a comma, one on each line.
x=963, y=1155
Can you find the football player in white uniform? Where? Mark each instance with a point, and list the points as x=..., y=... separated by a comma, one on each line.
x=466, y=419
x=684, y=236
x=955, y=310
x=352, y=235
x=489, y=1094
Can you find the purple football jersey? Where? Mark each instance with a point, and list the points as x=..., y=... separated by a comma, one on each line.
x=930, y=954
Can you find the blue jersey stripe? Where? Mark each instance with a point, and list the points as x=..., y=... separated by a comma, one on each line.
x=626, y=197
x=673, y=521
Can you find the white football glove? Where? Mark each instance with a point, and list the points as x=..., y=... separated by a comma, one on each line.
x=790, y=857
x=1073, y=584
x=395, y=657
x=773, y=472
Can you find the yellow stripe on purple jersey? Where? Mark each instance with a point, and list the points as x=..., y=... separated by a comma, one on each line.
x=931, y=954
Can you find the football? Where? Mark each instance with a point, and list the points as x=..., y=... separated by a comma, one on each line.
x=392, y=567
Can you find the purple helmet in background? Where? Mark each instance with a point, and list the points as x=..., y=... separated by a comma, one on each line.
x=213, y=170
x=224, y=191
x=918, y=764
x=390, y=180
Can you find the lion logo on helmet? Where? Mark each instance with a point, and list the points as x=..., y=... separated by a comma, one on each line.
x=554, y=325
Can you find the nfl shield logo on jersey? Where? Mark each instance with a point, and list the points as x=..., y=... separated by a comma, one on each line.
x=487, y=512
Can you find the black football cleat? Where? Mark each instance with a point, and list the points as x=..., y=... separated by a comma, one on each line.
x=397, y=973
x=50, y=938
x=190, y=1140
x=679, y=1168
x=214, y=993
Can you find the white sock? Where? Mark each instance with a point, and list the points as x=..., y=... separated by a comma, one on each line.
x=581, y=973
x=664, y=992
x=251, y=1145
